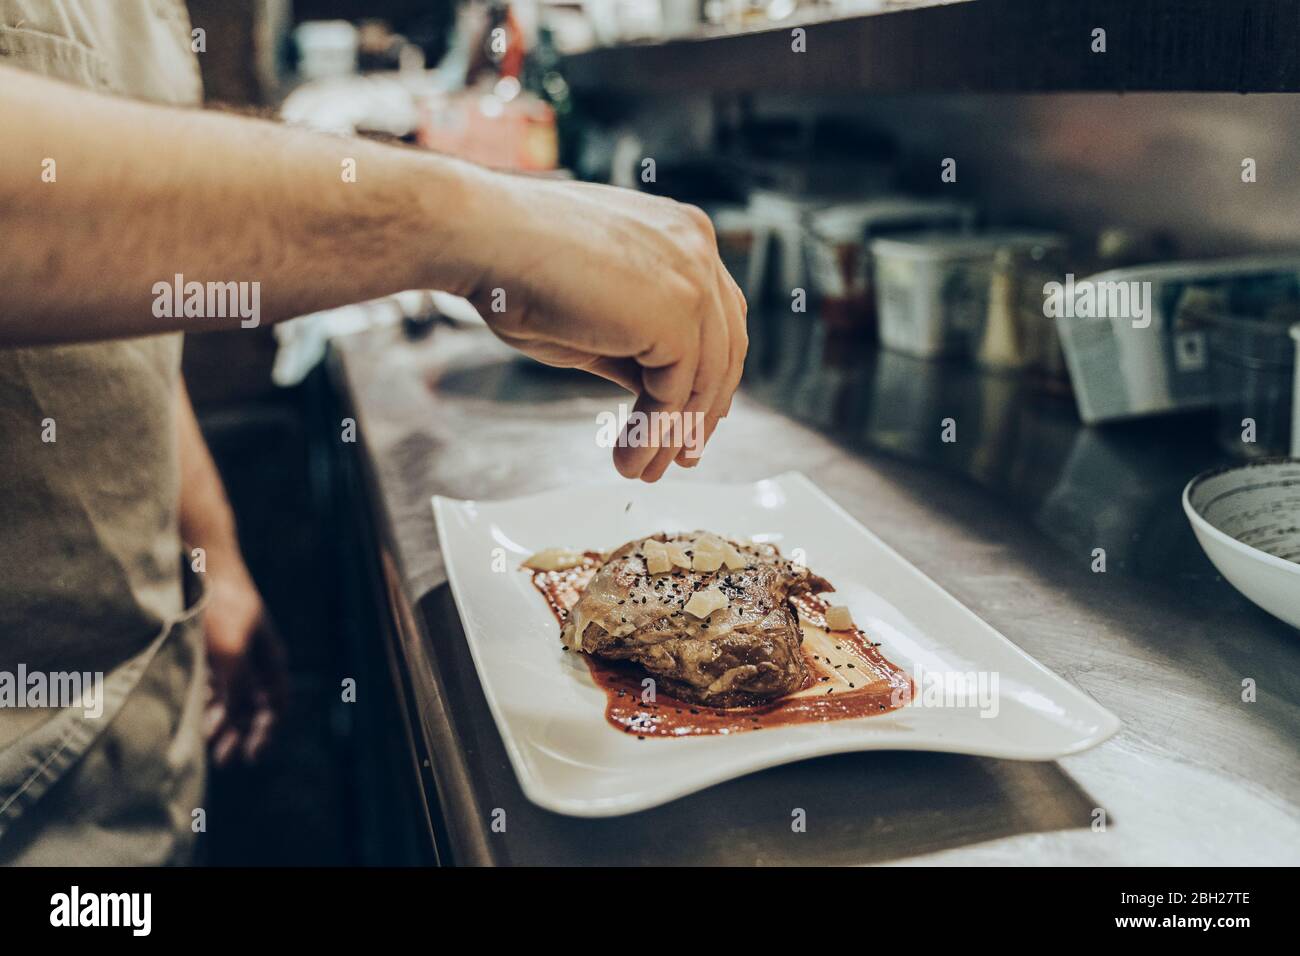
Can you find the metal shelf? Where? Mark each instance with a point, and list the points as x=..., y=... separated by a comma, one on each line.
x=979, y=46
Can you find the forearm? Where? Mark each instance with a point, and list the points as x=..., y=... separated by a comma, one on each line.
x=143, y=193
x=206, y=518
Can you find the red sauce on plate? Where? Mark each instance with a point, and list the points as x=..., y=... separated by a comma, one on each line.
x=847, y=676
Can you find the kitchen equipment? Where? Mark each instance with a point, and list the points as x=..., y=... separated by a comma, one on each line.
x=777, y=221
x=734, y=227
x=1125, y=365
x=932, y=289
x=1247, y=520
x=1016, y=334
x=1295, y=401
x=680, y=17
x=1002, y=344
x=836, y=244
x=326, y=48
x=551, y=714
x=1252, y=366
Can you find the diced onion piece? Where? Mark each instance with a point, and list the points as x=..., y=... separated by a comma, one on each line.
x=554, y=559
x=707, y=554
x=656, y=556
x=839, y=618
x=703, y=603
x=708, y=561
x=732, y=558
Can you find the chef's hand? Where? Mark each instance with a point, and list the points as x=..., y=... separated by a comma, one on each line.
x=247, y=664
x=619, y=283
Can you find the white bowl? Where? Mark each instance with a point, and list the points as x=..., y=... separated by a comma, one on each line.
x=1247, y=519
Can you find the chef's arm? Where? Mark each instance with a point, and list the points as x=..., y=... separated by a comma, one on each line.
x=245, y=657
x=120, y=218
x=206, y=518
x=102, y=198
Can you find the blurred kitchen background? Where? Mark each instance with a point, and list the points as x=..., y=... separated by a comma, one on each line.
x=893, y=197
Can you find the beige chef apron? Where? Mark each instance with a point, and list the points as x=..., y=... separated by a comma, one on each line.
x=91, y=572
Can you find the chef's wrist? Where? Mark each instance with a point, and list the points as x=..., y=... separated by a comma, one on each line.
x=464, y=209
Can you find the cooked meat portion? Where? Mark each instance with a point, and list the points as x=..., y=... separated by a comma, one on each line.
x=709, y=619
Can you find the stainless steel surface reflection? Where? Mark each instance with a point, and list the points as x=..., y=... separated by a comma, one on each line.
x=1114, y=487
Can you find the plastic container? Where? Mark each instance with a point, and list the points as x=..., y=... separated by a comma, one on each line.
x=1122, y=368
x=932, y=289
x=326, y=48
x=836, y=242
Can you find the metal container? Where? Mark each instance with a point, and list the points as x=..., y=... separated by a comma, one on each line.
x=734, y=228
x=1252, y=365
x=776, y=264
x=1016, y=334
x=932, y=289
x=836, y=242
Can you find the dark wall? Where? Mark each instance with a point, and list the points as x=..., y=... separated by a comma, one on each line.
x=1168, y=162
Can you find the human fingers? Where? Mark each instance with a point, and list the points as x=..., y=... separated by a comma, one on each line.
x=226, y=744
x=624, y=372
x=668, y=370
x=709, y=380
x=738, y=347
x=260, y=729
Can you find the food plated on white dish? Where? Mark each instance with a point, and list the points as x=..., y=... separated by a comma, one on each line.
x=693, y=634
x=735, y=654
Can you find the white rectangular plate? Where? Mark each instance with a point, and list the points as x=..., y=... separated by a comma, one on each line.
x=551, y=714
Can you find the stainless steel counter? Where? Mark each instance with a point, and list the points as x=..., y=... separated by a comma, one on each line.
x=1006, y=519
